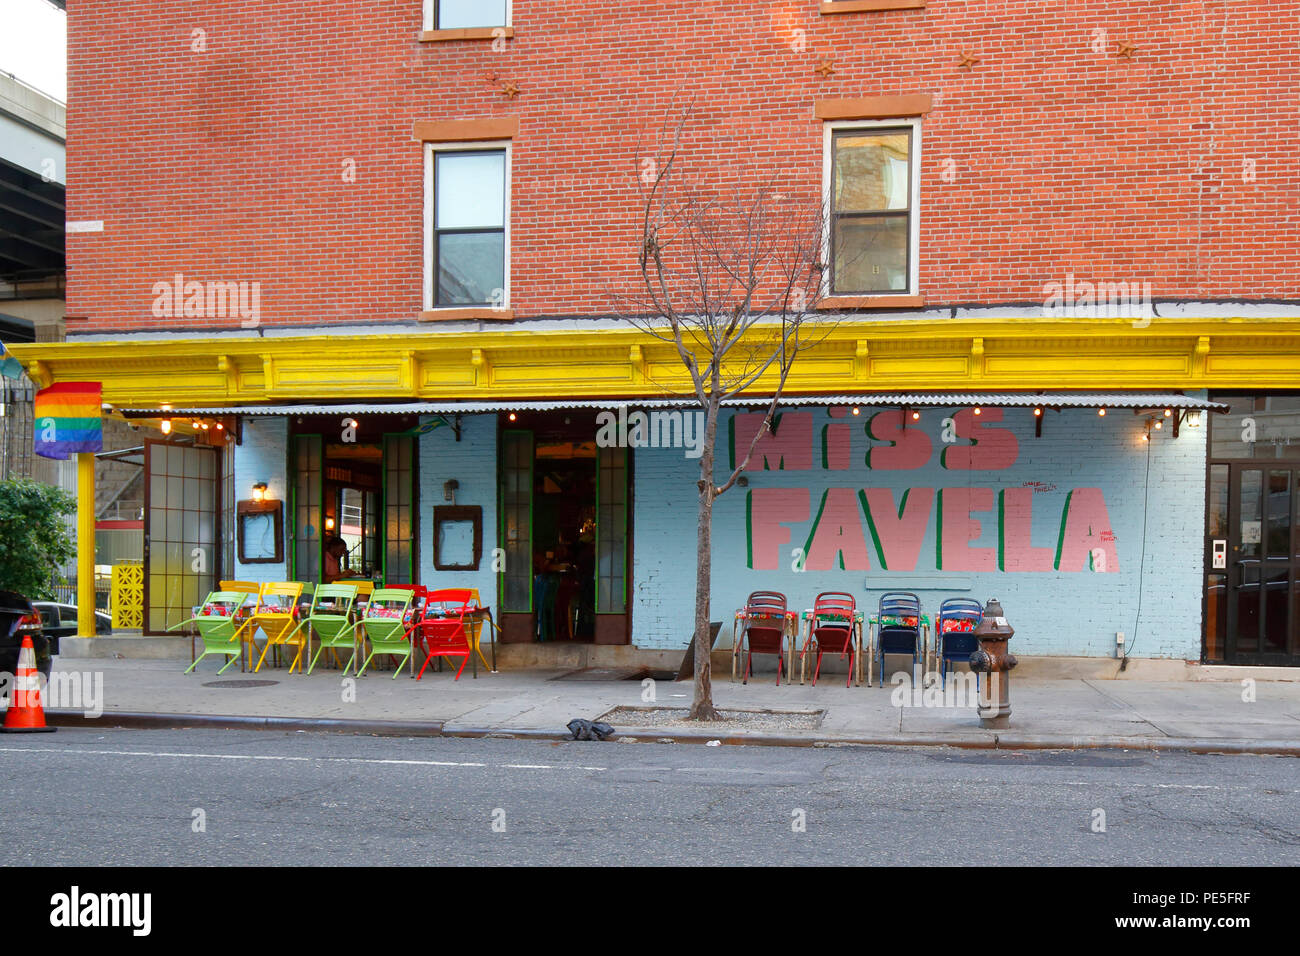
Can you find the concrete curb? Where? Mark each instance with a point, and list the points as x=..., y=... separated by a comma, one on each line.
x=397, y=728
x=145, y=721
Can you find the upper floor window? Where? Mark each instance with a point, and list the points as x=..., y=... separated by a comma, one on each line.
x=872, y=199
x=467, y=225
x=462, y=14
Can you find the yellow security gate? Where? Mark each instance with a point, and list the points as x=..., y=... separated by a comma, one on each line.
x=128, y=595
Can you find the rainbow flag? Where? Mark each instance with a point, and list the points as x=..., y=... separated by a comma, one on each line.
x=68, y=419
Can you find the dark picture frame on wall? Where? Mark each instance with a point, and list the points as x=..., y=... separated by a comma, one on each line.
x=457, y=537
x=259, y=531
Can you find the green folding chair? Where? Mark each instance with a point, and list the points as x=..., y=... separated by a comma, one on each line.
x=330, y=619
x=385, y=626
x=219, y=626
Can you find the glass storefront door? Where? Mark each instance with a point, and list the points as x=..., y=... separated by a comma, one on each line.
x=1252, y=594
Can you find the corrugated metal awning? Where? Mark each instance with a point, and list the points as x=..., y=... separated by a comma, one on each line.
x=908, y=399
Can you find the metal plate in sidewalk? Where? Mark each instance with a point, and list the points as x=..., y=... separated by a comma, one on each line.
x=616, y=674
x=240, y=683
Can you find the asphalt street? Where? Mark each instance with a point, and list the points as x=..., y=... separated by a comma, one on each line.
x=258, y=797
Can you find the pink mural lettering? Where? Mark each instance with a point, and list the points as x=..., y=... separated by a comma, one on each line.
x=898, y=532
x=788, y=448
x=1016, y=551
x=836, y=539
x=957, y=529
x=1085, y=528
x=837, y=445
x=908, y=447
x=769, y=511
x=993, y=448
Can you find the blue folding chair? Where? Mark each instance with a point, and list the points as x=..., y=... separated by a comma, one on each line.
x=957, y=641
x=898, y=628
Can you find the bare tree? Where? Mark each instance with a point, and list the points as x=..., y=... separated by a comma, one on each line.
x=732, y=285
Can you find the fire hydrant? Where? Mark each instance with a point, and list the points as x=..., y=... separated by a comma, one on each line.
x=995, y=661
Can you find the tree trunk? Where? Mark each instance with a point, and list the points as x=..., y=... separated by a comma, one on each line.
x=702, y=708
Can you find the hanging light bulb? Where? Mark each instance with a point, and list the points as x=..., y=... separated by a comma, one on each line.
x=166, y=426
x=1038, y=412
x=856, y=410
x=978, y=411
x=1101, y=412
x=916, y=416
x=1169, y=412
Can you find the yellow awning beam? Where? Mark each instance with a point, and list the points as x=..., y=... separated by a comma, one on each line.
x=879, y=354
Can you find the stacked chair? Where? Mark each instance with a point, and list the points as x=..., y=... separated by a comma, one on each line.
x=831, y=628
x=954, y=633
x=898, y=628
x=763, y=630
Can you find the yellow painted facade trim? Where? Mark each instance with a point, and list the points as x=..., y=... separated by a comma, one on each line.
x=876, y=355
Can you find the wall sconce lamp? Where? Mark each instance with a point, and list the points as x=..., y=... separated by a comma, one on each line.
x=259, y=491
x=166, y=426
x=1194, y=418
x=449, y=490
x=329, y=523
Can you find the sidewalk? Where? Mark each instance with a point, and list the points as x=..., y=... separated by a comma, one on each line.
x=1191, y=715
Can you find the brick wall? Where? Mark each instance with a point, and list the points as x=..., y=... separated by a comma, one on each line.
x=1054, y=612
x=1177, y=165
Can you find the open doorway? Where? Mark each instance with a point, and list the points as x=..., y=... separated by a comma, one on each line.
x=565, y=531
x=564, y=528
x=358, y=490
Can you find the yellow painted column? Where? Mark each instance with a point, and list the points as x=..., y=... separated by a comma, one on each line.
x=85, y=544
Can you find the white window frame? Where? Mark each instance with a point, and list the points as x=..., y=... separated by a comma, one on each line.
x=914, y=202
x=430, y=6
x=431, y=150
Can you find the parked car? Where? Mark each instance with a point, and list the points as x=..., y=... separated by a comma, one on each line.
x=60, y=620
x=19, y=619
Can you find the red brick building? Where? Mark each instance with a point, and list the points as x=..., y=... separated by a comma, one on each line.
x=289, y=153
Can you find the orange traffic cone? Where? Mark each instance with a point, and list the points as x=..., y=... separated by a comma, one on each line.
x=25, y=715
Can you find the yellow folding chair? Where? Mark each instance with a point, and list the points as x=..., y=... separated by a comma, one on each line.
x=277, y=617
x=242, y=587
x=365, y=587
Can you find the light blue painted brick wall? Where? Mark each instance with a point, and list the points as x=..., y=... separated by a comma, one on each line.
x=263, y=456
x=1054, y=613
x=473, y=463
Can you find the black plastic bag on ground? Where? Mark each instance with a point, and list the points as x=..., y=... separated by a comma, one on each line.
x=580, y=729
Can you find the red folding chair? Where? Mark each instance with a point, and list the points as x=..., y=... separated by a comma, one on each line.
x=764, y=623
x=444, y=626
x=831, y=629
